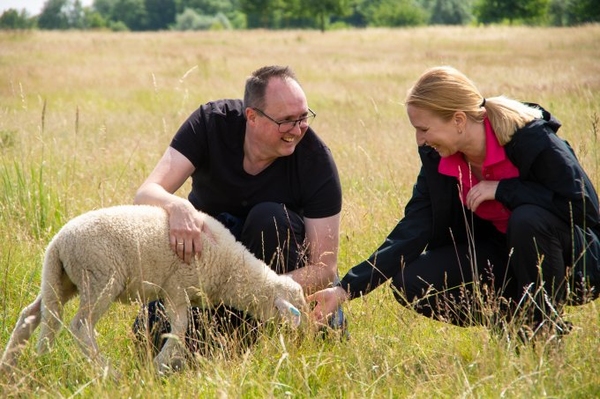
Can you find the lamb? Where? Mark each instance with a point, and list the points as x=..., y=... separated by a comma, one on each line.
x=123, y=253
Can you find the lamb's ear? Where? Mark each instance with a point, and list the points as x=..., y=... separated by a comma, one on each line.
x=288, y=311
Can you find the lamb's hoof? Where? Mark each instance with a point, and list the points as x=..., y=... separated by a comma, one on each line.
x=110, y=374
x=171, y=366
x=7, y=372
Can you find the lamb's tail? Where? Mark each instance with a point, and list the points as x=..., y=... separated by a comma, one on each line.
x=57, y=289
x=45, y=308
x=28, y=321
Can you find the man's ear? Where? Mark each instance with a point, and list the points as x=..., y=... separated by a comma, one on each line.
x=250, y=115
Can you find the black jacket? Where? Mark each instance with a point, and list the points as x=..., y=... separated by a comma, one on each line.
x=549, y=176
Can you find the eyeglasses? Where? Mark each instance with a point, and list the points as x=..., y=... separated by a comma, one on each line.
x=286, y=126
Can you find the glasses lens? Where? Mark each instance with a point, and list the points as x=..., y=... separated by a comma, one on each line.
x=309, y=118
x=285, y=127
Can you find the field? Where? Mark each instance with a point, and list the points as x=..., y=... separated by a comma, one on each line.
x=84, y=116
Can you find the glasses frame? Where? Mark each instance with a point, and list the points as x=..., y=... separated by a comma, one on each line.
x=306, y=119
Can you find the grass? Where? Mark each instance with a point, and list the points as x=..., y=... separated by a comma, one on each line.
x=85, y=116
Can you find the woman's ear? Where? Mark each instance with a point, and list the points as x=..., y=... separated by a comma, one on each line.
x=460, y=120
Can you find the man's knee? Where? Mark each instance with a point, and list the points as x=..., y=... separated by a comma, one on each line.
x=265, y=217
x=276, y=235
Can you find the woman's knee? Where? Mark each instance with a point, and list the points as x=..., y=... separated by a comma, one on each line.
x=527, y=220
x=413, y=294
x=533, y=227
x=408, y=288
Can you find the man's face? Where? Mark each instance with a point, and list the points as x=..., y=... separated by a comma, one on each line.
x=280, y=126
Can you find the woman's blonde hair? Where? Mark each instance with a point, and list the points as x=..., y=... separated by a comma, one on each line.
x=445, y=90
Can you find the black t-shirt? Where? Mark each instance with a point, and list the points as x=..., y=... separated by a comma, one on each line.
x=212, y=138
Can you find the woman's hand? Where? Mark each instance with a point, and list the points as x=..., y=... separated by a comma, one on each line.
x=327, y=301
x=483, y=191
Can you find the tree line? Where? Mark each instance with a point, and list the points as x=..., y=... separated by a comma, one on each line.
x=152, y=15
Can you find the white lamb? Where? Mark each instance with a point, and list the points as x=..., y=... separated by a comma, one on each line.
x=123, y=253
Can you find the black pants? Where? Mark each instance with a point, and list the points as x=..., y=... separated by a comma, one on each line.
x=272, y=233
x=528, y=264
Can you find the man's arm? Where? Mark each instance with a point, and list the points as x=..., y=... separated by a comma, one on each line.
x=322, y=236
x=186, y=225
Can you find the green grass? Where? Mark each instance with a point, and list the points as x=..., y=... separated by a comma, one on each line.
x=85, y=116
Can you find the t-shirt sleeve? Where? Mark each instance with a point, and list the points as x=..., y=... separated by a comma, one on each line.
x=324, y=187
x=191, y=138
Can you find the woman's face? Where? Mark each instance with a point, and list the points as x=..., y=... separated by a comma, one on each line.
x=433, y=131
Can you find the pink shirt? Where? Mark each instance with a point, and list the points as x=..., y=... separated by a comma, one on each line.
x=496, y=166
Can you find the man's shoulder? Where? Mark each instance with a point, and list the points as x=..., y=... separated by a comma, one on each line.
x=224, y=107
x=312, y=143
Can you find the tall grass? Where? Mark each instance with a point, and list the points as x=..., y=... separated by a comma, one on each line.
x=84, y=117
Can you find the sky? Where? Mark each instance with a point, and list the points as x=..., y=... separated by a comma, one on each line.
x=33, y=7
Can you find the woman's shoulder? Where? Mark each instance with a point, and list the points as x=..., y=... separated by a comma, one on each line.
x=532, y=139
x=536, y=132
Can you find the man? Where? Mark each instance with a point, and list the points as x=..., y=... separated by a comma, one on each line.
x=258, y=167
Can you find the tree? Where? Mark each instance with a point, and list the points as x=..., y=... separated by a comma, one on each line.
x=490, y=11
x=356, y=16
x=191, y=20
x=260, y=13
x=394, y=13
x=132, y=13
x=208, y=7
x=450, y=12
x=62, y=14
x=13, y=19
x=53, y=16
x=75, y=14
x=227, y=12
x=584, y=11
x=105, y=7
x=322, y=10
x=160, y=14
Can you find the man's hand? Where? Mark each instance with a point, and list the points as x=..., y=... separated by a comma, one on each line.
x=186, y=229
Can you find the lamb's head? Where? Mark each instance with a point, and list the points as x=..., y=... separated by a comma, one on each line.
x=288, y=301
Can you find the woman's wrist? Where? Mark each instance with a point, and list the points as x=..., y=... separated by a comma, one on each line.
x=341, y=294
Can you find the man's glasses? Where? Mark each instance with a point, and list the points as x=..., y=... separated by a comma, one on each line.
x=286, y=126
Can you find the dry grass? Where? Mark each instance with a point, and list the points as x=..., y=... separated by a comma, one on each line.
x=85, y=116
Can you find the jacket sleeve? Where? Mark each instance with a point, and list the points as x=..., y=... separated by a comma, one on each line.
x=550, y=176
x=404, y=244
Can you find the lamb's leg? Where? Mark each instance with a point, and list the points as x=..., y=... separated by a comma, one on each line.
x=172, y=355
x=56, y=291
x=51, y=322
x=28, y=321
x=82, y=326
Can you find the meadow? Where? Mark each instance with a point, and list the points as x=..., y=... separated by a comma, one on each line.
x=84, y=116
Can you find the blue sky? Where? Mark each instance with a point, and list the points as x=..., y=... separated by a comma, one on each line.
x=33, y=7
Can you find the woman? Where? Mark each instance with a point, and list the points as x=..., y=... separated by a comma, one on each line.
x=501, y=210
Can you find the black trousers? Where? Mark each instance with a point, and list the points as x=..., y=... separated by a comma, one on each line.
x=528, y=264
x=272, y=233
